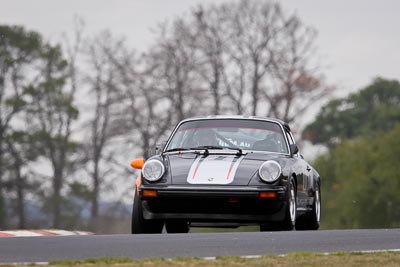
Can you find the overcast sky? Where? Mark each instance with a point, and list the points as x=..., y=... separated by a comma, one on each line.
x=358, y=39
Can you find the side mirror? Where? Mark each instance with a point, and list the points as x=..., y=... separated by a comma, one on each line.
x=137, y=163
x=294, y=149
x=160, y=147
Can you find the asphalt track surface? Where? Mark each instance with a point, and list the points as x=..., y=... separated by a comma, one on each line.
x=44, y=249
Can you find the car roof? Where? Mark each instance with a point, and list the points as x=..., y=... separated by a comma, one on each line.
x=216, y=117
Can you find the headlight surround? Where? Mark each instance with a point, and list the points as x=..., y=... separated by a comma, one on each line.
x=270, y=171
x=153, y=170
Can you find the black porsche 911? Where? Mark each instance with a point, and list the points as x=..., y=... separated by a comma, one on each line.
x=226, y=171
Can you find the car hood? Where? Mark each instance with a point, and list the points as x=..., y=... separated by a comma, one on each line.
x=215, y=169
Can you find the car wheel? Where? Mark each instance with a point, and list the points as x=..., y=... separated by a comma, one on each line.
x=311, y=220
x=176, y=226
x=139, y=224
x=289, y=222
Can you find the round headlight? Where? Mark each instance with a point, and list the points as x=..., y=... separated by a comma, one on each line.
x=153, y=170
x=270, y=171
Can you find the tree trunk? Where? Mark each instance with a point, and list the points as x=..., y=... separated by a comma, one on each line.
x=2, y=201
x=21, y=198
x=95, y=197
x=19, y=184
x=254, y=91
x=57, y=184
x=215, y=88
x=179, y=104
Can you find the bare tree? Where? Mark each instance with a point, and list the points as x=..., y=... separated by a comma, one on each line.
x=173, y=68
x=126, y=107
x=52, y=112
x=236, y=40
x=209, y=41
x=254, y=25
x=104, y=93
x=296, y=79
x=148, y=112
x=250, y=52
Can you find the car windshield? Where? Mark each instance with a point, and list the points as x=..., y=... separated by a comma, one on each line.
x=229, y=133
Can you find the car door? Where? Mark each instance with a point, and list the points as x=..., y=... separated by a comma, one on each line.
x=303, y=171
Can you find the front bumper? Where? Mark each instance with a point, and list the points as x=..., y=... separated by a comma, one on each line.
x=240, y=204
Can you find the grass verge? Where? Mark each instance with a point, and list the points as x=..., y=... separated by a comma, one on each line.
x=291, y=259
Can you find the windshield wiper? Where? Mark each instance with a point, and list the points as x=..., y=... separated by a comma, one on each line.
x=240, y=151
x=176, y=149
x=206, y=148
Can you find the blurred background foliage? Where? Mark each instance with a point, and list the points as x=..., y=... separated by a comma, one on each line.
x=74, y=113
x=361, y=182
x=373, y=108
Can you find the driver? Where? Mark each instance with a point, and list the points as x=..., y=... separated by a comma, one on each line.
x=270, y=144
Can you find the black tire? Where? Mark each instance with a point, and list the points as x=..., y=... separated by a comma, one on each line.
x=289, y=222
x=311, y=220
x=176, y=226
x=139, y=224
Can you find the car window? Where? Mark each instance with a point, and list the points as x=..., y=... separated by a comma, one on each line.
x=245, y=134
